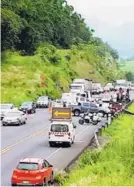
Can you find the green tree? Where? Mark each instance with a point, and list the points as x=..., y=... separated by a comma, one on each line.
x=130, y=76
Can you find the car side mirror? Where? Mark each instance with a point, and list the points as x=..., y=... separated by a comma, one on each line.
x=74, y=126
x=50, y=165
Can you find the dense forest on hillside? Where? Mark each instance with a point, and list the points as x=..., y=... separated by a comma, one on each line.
x=27, y=23
x=47, y=38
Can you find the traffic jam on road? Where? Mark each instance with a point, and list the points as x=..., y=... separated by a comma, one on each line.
x=36, y=142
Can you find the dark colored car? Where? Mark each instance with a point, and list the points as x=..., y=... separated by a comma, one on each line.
x=28, y=107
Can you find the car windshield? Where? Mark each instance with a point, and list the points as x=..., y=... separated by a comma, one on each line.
x=59, y=128
x=5, y=106
x=13, y=114
x=26, y=104
x=75, y=87
x=28, y=166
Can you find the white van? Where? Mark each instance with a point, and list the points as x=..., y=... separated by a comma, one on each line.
x=61, y=132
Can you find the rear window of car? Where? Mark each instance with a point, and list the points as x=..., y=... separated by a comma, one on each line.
x=86, y=104
x=28, y=166
x=59, y=128
x=93, y=105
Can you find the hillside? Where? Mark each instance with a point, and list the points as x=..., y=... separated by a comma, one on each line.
x=127, y=66
x=50, y=71
x=47, y=44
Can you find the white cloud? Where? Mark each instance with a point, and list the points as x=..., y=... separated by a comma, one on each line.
x=113, y=12
x=106, y=15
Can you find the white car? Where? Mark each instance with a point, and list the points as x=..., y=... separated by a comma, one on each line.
x=15, y=118
x=5, y=108
x=43, y=101
x=61, y=132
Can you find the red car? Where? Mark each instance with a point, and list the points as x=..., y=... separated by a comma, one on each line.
x=32, y=171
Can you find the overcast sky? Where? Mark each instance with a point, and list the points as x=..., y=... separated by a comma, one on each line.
x=113, y=20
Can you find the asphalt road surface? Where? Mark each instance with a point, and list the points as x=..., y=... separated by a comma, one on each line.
x=31, y=140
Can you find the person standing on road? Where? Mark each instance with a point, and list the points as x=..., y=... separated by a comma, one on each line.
x=64, y=104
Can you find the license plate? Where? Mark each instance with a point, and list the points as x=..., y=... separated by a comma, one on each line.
x=26, y=182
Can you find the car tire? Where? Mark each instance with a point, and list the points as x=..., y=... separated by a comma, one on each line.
x=81, y=121
x=45, y=183
x=76, y=112
x=13, y=184
x=52, y=178
x=69, y=144
x=73, y=140
x=3, y=124
x=51, y=144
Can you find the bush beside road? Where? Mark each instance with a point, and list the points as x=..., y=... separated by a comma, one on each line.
x=26, y=77
x=114, y=164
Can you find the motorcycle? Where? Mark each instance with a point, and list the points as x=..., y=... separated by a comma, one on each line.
x=93, y=118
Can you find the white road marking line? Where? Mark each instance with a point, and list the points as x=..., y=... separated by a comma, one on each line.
x=79, y=141
x=37, y=133
x=54, y=152
x=61, y=147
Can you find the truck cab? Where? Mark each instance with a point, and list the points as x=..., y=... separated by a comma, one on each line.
x=77, y=88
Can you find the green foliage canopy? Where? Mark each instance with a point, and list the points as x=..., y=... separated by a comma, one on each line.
x=26, y=24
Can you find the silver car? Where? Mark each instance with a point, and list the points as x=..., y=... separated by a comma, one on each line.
x=5, y=108
x=14, y=118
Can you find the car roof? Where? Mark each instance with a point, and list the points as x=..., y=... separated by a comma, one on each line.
x=31, y=160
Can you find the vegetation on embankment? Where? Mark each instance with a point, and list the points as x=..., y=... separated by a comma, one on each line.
x=131, y=108
x=113, y=165
x=128, y=67
x=45, y=44
x=51, y=70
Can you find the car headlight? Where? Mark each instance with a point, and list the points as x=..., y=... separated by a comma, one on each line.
x=38, y=177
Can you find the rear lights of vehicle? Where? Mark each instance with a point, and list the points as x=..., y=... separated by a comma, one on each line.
x=69, y=135
x=14, y=176
x=38, y=177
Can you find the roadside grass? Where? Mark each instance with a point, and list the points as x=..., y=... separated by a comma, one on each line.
x=114, y=164
x=22, y=75
x=131, y=108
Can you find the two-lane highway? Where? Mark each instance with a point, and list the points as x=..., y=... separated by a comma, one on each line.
x=31, y=140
